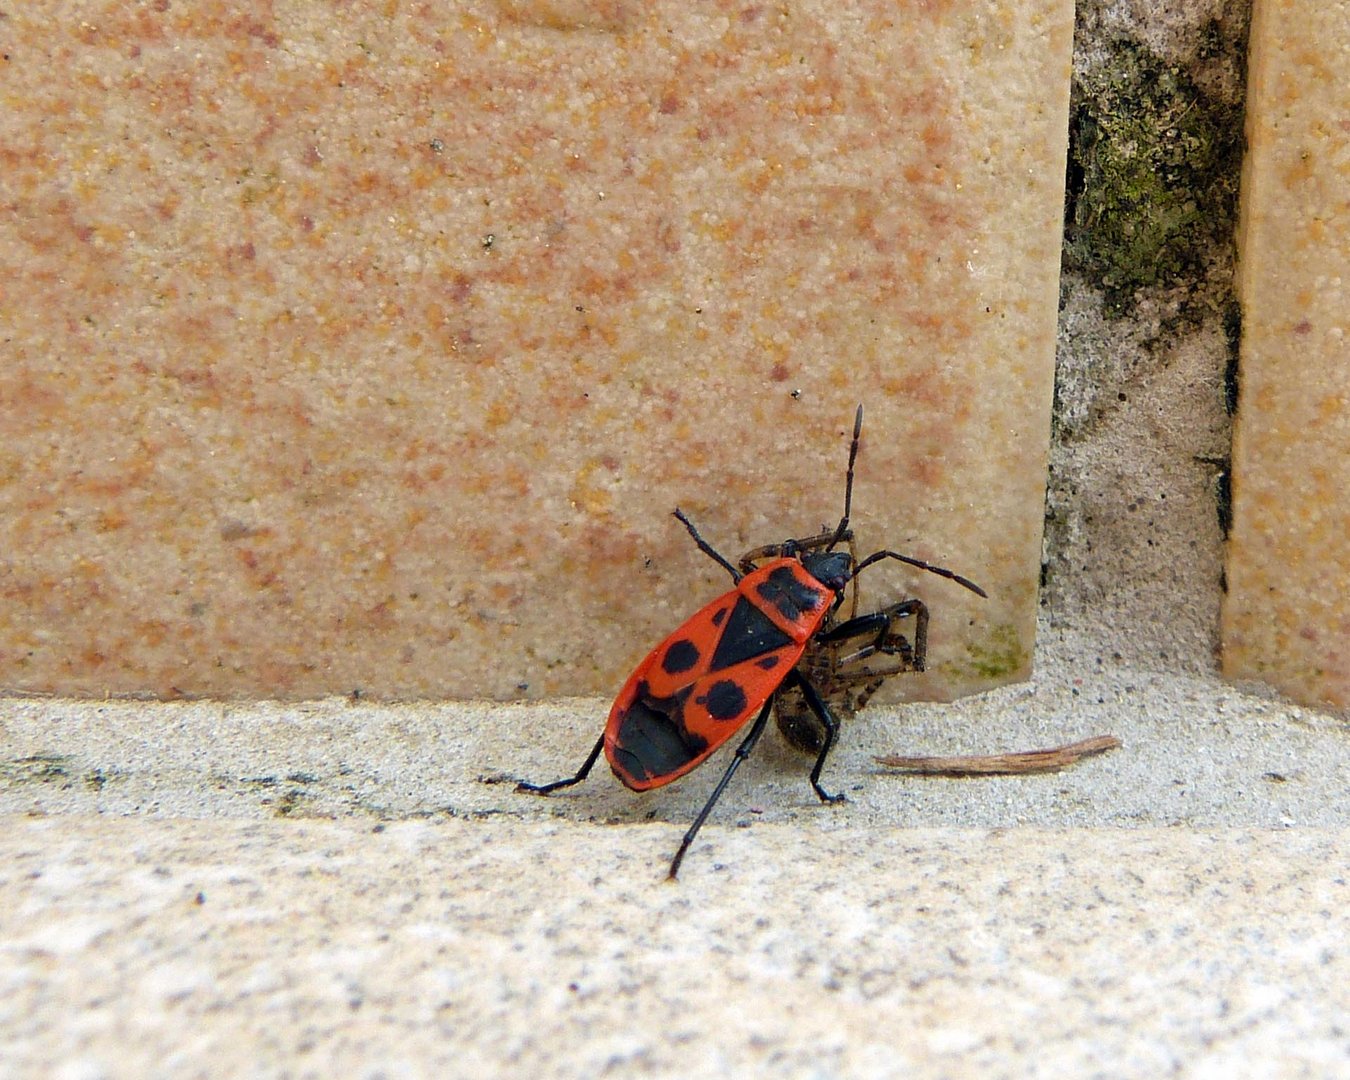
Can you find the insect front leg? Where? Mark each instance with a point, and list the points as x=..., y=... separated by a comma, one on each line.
x=885, y=640
x=582, y=773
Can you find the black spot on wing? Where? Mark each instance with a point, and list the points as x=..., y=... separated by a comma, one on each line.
x=718, y=616
x=749, y=634
x=767, y=663
x=788, y=594
x=680, y=656
x=725, y=700
x=652, y=740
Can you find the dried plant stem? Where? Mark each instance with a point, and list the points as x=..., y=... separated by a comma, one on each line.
x=1028, y=761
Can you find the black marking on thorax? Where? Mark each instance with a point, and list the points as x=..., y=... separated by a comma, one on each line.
x=749, y=634
x=788, y=593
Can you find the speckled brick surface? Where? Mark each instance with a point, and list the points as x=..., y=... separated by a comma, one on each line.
x=370, y=346
x=1285, y=617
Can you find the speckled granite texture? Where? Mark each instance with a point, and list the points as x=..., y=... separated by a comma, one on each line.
x=335, y=887
x=370, y=346
x=1285, y=617
x=470, y=949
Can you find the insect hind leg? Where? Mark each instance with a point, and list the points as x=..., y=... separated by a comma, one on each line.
x=742, y=752
x=567, y=781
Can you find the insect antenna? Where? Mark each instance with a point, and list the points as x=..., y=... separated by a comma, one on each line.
x=707, y=548
x=842, y=528
x=877, y=556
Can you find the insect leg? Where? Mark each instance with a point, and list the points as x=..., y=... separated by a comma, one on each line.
x=742, y=752
x=707, y=548
x=582, y=773
x=831, y=725
x=853, y=580
x=873, y=624
x=878, y=623
x=751, y=558
x=920, y=654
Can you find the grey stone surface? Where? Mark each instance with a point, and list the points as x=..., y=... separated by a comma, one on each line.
x=202, y=889
x=156, y=947
x=1196, y=752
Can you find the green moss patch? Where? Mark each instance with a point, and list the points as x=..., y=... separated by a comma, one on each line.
x=1154, y=163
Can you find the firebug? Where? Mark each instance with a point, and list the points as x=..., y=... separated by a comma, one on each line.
x=731, y=660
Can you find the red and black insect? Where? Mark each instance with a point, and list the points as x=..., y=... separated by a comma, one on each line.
x=732, y=659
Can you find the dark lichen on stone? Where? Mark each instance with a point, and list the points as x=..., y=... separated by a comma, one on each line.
x=1232, y=330
x=35, y=769
x=1154, y=162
